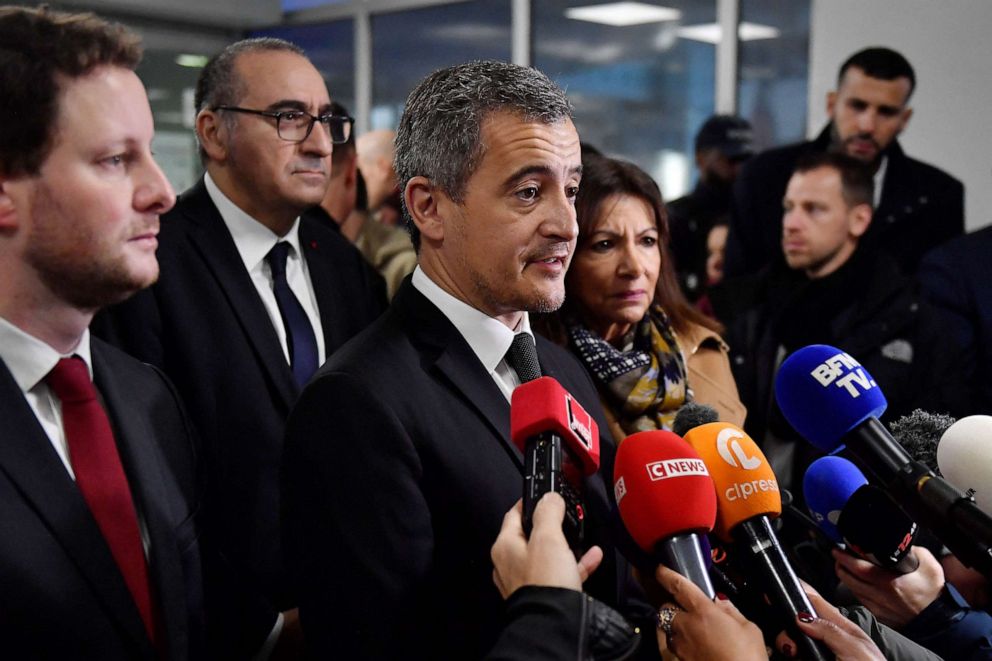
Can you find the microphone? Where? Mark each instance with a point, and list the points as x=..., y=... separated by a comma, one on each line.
x=861, y=515
x=747, y=495
x=831, y=400
x=560, y=444
x=919, y=432
x=667, y=501
x=693, y=415
x=964, y=455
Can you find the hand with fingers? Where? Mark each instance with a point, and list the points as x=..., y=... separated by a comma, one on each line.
x=545, y=558
x=844, y=638
x=694, y=627
x=893, y=598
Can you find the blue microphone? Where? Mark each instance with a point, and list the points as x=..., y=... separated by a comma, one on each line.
x=832, y=400
x=828, y=485
x=860, y=515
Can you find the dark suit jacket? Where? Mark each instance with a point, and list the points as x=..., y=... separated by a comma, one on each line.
x=398, y=470
x=205, y=326
x=955, y=278
x=921, y=207
x=63, y=596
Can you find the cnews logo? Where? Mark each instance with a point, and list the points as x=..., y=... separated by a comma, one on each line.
x=727, y=442
x=744, y=490
x=662, y=470
x=619, y=490
x=835, y=371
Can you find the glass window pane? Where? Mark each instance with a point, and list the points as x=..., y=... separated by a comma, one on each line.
x=773, y=61
x=170, y=78
x=639, y=90
x=408, y=45
x=331, y=47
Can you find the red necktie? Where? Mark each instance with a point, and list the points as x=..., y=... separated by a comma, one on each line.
x=100, y=477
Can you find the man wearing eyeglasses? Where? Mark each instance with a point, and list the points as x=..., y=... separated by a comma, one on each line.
x=251, y=297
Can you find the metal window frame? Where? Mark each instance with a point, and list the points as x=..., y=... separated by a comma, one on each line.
x=362, y=11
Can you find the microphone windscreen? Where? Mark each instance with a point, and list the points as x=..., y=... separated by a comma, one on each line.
x=693, y=415
x=543, y=405
x=825, y=393
x=964, y=455
x=874, y=526
x=828, y=485
x=662, y=488
x=745, y=483
x=920, y=432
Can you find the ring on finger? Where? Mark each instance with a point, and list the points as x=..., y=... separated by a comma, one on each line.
x=666, y=616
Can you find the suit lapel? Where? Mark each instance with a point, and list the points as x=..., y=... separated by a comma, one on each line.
x=29, y=461
x=327, y=287
x=213, y=241
x=144, y=464
x=449, y=353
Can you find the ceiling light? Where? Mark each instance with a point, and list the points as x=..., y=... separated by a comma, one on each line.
x=711, y=32
x=192, y=61
x=623, y=13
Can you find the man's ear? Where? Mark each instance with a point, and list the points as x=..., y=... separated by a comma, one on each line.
x=424, y=201
x=831, y=103
x=859, y=220
x=213, y=134
x=8, y=210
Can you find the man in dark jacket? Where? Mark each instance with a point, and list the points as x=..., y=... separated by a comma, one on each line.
x=723, y=144
x=834, y=291
x=917, y=205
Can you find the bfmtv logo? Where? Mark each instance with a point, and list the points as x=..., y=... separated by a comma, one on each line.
x=843, y=371
x=728, y=444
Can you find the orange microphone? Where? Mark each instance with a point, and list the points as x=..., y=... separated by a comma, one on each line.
x=747, y=495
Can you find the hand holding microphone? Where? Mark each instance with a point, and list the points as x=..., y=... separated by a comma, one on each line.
x=830, y=399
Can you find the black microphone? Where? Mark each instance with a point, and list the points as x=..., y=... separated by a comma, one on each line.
x=830, y=399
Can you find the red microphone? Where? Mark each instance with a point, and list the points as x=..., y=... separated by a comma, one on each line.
x=560, y=444
x=667, y=501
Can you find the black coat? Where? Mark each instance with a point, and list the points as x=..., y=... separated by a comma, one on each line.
x=900, y=339
x=398, y=470
x=955, y=278
x=63, y=595
x=921, y=207
x=205, y=326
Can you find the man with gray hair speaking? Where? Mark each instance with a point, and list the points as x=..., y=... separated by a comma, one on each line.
x=399, y=464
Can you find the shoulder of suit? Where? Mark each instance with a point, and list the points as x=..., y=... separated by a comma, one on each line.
x=123, y=364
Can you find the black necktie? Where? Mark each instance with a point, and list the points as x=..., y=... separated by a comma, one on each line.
x=522, y=357
x=299, y=332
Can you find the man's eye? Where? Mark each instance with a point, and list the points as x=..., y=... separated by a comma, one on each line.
x=572, y=191
x=292, y=115
x=527, y=193
x=114, y=161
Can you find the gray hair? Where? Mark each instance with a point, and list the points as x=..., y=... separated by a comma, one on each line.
x=219, y=83
x=440, y=133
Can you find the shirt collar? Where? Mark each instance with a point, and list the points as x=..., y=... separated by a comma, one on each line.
x=489, y=338
x=30, y=360
x=252, y=239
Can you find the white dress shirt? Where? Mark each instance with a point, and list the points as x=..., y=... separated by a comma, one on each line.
x=489, y=338
x=254, y=241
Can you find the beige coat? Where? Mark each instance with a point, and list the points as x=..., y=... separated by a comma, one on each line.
x=710, y=378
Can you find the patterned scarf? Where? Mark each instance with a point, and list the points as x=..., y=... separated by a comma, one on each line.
x=644, y=387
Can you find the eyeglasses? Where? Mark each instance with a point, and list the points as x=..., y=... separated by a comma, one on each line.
x=296, y=125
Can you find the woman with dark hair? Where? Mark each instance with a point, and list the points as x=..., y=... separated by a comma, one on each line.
x=648, y=349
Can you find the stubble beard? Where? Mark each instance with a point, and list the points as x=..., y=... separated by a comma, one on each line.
x=86, y=279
